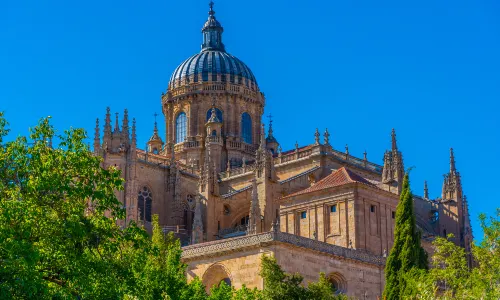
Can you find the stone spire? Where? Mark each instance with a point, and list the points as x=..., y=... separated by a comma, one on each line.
x=452, y=161
x=452, y=185
x=125, y=126
x=155, y=142
x=393, y=171
x=197, y=234
x=134, y=136
x=117, y=126
x=394, y=143
x=271, y=142
x=107, y=131
x=270, y=131
x=212, y=32
x=97, y=137
x=426, y=190
x=326, y=136
x=316, y=137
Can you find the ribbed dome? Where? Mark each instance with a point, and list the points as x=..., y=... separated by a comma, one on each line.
x=212, y=66
x=213, y=63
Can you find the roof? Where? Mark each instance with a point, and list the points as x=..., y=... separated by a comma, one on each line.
x=338, y=178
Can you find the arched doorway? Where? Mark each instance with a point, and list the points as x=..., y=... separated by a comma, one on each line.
x=339, y=284
x=215, y=274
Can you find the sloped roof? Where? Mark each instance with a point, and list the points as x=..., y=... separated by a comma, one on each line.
x=338, y=178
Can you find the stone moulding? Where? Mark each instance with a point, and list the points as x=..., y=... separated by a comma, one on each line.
x=221, y=247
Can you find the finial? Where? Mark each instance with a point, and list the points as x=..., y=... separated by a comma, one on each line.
x=134, y=136
x=156, y=125
x=97, y=128
x=117, y=127
x=346, y=149
x=296, y=146
x=365, y=156
x=426, y=190
x=394, y=144
x=107, y=122
x=270, y=131
x=326, y=135
x=125, y=124
x=211, y=12
x=452, y=161
x=316, y=137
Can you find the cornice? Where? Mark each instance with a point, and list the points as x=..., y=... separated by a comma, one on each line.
x=227, y=246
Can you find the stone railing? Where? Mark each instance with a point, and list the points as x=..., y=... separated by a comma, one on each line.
x=155, y=159
x=214, y=139
x=238, y=171
x=232, y=193
x=300, y=175
x=234, y=244
x=213, y=86
x=236, y=145
x=308, y=151
x=152, y=158
x=356, y=161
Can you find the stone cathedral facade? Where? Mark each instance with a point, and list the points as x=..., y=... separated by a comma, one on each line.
x=231, y=194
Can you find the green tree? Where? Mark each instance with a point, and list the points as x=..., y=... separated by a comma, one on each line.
x=277, y=284
x=195, y=290
x=221, y=292
x=162, y=273
x=58, y=211
x=245, y=293
x=323, y=290
x=406, y=253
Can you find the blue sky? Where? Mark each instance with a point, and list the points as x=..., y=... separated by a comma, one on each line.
x=430, y=69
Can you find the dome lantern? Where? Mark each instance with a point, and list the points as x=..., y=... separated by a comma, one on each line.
x=212, y=32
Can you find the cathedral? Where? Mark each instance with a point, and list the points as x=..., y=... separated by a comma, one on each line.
x=230, y=193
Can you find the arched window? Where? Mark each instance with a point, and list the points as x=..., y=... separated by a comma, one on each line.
x=144, y=204
x=246, y=128
x=218, y=112
x=180, y=127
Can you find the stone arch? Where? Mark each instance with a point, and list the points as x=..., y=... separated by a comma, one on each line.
x=215, y=274
x=338, y=281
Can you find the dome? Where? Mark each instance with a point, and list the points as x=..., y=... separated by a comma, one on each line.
x=212, y=66
x=213, y=63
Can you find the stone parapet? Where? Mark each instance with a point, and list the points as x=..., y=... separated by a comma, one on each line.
x=222, y=247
